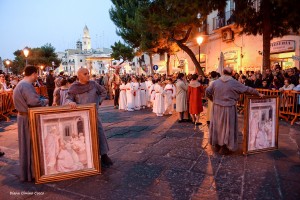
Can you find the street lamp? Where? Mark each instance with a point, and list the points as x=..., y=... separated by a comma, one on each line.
x=199, y=41
x=26, y=52
x=7, y=62
x=41, y=70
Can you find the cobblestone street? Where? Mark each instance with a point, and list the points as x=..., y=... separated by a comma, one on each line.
x=158, y=158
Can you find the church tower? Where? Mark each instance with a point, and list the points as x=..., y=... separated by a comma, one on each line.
x=86, y=39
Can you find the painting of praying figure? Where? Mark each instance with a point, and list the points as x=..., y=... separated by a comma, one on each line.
x=66, y=142
x=261, y=124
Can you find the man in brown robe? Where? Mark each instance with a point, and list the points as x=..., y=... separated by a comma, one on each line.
x=25, y=97
x=224, y=94
x=116, y=82
x=85, y=91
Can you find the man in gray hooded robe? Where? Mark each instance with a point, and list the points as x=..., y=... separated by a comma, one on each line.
x=224, y=94
x=85, y=91
x=24, y=97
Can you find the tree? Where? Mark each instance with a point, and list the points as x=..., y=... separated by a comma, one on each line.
x=121, y=51
x=272, y=18
x=155, y=25
x=44, y=55
x=123, y=15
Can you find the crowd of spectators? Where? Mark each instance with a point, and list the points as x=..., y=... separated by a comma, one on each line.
x=276, y=79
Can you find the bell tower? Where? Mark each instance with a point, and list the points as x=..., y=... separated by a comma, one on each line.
x=86, y=39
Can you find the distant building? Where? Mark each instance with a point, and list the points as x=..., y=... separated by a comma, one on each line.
x=96, y=60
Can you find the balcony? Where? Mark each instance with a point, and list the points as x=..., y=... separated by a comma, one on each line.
x=219, y=22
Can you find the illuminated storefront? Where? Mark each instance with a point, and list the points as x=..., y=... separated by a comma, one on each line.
x=282, y=53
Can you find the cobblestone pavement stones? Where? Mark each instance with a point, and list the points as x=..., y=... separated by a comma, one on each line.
x=158, y=158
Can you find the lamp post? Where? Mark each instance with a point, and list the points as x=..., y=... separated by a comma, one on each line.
x=26, y=53
x=7, y=62
x=199, y=41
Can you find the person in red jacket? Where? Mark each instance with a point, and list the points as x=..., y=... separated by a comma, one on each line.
x=195, y=93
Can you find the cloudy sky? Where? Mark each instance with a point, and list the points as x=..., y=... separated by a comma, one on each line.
x=34, y=23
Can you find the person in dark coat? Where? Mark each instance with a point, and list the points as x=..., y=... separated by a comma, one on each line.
x=50, y=84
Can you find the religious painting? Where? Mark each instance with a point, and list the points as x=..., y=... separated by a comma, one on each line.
x=65, y=142
x=261, y=124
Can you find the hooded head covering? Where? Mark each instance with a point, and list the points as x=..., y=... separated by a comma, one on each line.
x=227, y=70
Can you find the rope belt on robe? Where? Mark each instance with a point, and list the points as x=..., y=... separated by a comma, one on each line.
x=23, y=113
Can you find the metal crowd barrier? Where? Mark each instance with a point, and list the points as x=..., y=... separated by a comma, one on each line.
x=289, y=103
x=7, y=107
x=42, y=91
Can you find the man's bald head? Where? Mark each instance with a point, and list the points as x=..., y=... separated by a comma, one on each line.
x=82, y=70
x=83, y=75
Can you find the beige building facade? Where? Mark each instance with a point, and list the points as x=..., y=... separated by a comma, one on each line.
x=241, y=52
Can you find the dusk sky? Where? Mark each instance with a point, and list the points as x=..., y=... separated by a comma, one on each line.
x=34, y=23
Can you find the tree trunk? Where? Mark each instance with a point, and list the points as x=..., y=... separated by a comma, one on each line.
x=185, y=48
x=168, y=64
x=151, y=64
x=192, y=56
x=266, y=6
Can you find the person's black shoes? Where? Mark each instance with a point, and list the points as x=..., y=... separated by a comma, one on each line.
x=2, y=154
x=216, y=148
x=224, y=150
x=180, y=121
x=106, y=161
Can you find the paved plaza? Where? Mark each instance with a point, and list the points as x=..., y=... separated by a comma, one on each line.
x=158, y=158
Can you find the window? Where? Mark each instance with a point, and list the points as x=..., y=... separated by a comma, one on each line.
x=162, y=57
x=67, y=131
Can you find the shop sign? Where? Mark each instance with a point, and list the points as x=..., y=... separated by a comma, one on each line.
x=282, y=46
x=296, y=58
x=230, y=55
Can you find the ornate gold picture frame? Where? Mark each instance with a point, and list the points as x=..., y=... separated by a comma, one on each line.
x=260, y=124
x=65, y=142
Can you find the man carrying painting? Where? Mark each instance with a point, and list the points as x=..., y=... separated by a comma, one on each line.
x=86, y=91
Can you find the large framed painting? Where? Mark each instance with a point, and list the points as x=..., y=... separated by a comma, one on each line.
x=65, y=142
x=260, y=124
